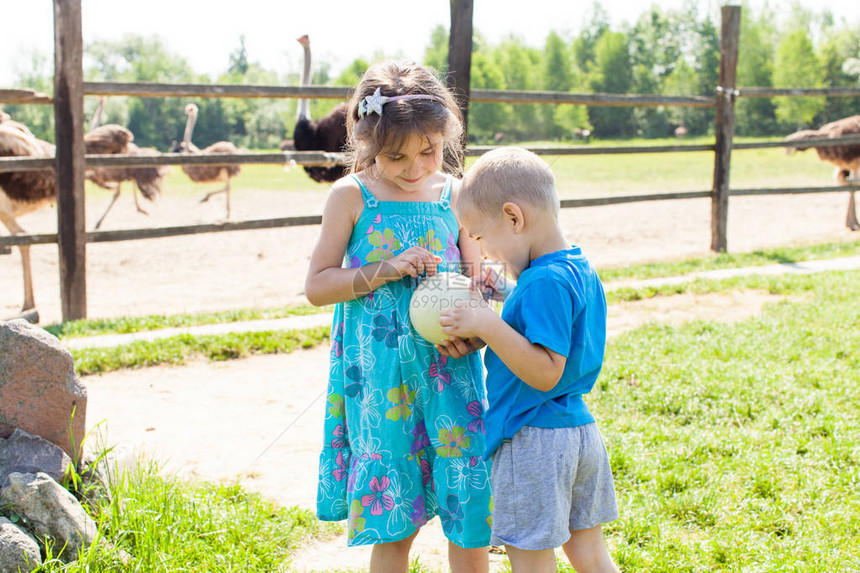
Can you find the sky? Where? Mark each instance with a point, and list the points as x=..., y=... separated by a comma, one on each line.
x=207, y=32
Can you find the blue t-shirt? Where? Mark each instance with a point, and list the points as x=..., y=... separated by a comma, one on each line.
x=558, y=303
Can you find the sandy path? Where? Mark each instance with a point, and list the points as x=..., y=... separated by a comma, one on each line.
x=267, y=268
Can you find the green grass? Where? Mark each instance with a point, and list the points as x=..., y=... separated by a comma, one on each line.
x=734, y=447
x=586, y=175
x=126, y=325
x=163, y=524
x=252, y=176
x=182, y=348
x=580, y=176
x=771, y=284
x=733, y=260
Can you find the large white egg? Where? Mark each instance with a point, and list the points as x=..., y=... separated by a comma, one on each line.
x=435, y=294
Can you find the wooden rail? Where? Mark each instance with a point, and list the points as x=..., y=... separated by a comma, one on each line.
x=326, y=159
x=281, y=222
x=309, y=158
x=149, y=89
x=20, y=96
x=795, y=92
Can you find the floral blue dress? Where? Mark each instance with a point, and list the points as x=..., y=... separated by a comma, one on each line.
x=404, y=433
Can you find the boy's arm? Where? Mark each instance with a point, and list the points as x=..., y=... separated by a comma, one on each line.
x=534, y=364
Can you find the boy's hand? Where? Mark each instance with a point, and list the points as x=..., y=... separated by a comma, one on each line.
x=492, y=285
x=468, y=319
x=416, y=261
x=459, y=347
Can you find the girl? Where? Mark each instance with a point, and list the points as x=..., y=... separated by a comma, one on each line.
x=404, y=425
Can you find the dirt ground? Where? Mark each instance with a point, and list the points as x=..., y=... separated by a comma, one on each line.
x=259, y=420
x=240, y=269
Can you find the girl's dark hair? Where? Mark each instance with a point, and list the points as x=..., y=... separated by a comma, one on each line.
x=367, y=137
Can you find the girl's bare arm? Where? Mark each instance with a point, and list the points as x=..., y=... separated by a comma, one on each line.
x=327, y=281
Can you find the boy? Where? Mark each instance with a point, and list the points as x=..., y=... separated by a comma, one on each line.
x=552, y=484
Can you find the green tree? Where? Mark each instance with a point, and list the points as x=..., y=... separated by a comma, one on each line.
x=239, y=59
x=838, y=47
x=796, y=66
x=557, y=77
x=521, y=66
x=612, y=73
x=706, y=63
x=486, y=119
x=436, y=53
x=594, y=26
x=36, y=74
x=656, y=42
x=247, y=122
x=756, y=116
x=153, y=121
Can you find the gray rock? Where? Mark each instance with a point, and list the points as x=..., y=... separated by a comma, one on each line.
x=39, y=389
x=18, y=551
x=28, y=454
x=50, y=511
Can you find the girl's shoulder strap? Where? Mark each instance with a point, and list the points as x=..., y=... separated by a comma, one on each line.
x=445, y=198
x=369, y=200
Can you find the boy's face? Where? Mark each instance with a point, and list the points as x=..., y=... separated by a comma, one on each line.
x=497, y=237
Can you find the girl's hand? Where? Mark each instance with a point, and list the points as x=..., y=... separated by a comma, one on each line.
x=415, y=261
x=493, y=286
x=468, y=319
x=459, y=347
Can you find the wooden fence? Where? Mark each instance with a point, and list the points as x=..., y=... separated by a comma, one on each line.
x=70, y=161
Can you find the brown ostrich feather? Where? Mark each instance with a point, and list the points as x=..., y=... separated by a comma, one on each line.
x=107, y=139
x=211, y=173
x=28, y=190
x=845, y=157
x=148, y=179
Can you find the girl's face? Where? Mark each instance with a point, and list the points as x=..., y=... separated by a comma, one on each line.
x=408, y=167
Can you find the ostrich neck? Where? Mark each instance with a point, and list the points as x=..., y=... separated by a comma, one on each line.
x=97, y=116
x=189, y=128
x=304, y=111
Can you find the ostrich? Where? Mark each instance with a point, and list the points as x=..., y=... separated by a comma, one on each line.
x=112, y=139
x=326, y=134
x=846, y=157
x=23, y=192
x=207, y=173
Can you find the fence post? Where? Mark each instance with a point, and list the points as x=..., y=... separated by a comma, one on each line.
x=460, y=57
x=70, y=162
x=725, y=125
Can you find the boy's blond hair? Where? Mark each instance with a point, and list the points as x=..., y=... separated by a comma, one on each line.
x=508, y=174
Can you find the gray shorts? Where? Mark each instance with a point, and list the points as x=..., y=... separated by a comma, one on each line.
x=547, y=482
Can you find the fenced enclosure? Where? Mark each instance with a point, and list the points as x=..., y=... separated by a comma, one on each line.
x=70, y=161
